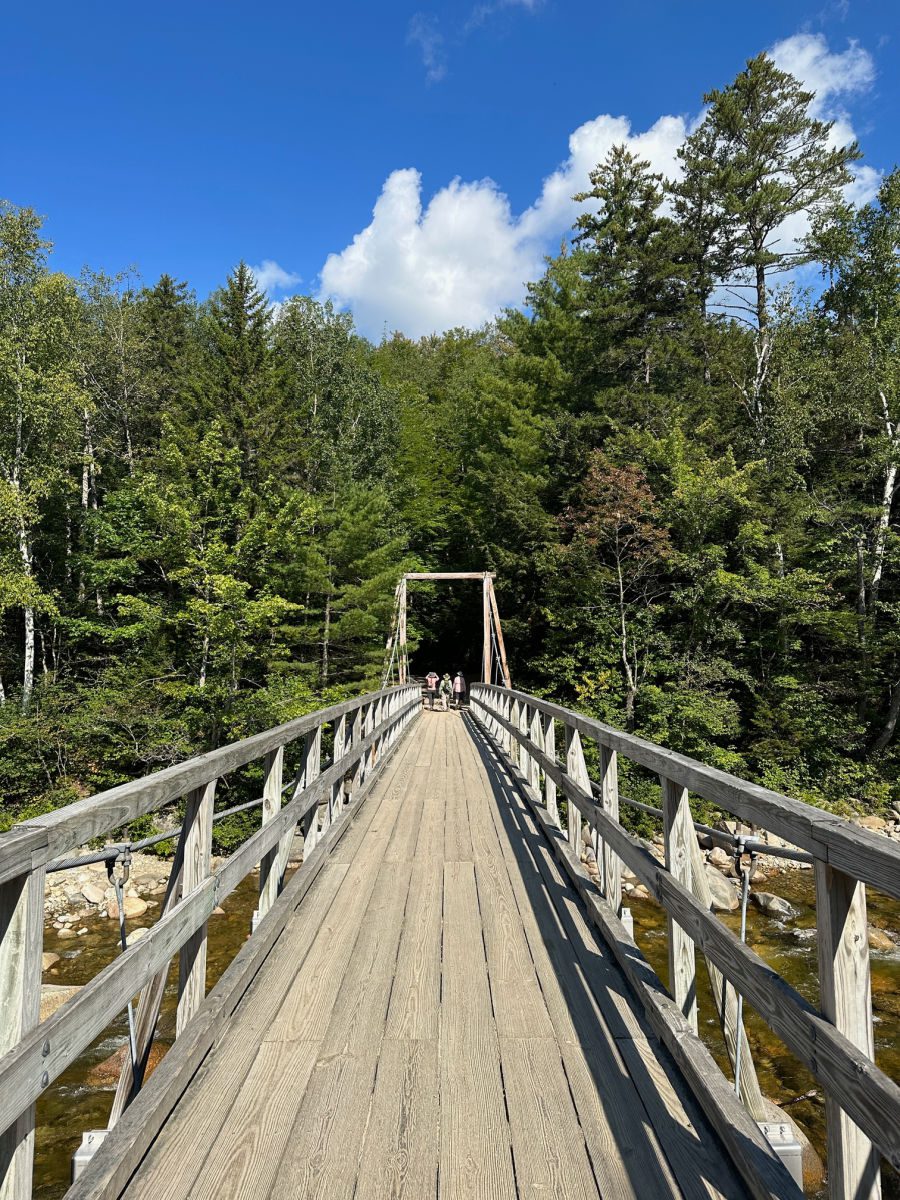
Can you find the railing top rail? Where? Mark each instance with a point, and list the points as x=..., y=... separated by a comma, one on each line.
x=34, y=843
x=868, y=857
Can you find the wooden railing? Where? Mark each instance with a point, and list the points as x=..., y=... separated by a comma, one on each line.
x=321, y=800
x=835, y=1042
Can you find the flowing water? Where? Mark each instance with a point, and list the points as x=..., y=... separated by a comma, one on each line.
x=82, y=1097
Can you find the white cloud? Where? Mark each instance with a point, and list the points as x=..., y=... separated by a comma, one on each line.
x=807, y=56
x=481, y=12
x=423, y=32
x=462, y=256
x=457, y=261
x=270, y=277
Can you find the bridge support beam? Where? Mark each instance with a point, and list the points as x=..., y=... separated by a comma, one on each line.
x=679, y=834
x=21, y=942
x=845, y=998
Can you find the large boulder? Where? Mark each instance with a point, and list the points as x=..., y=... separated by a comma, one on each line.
x=718, y=857
x=106, y=1073
x=54, y=996
x=723, y=893
x=871, y=822
x=879, y=940
x=93, y=894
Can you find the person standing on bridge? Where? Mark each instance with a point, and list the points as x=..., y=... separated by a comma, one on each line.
x=446, y=691
x=431, y=682
x=459, y=689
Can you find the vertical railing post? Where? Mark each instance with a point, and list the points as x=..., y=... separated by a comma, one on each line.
x=845, y=998
x=536, y=733
x=375, y=719
x=679, y=834
x=550, y=784
x=524, y=756
x=198, y=826
x=21, y=944
x=576, y=769
x=337, y=790
x=311, y=766
x=356, y=736
x=269, y=876
x=609, y=802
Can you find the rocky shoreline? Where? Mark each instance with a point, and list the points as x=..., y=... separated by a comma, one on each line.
x=722, y=874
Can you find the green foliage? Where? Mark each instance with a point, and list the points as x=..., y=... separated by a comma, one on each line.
x=690, y=508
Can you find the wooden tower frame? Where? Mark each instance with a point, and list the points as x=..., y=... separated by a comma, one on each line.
x=397, y=647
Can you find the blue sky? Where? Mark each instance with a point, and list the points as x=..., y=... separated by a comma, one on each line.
x=183, y=137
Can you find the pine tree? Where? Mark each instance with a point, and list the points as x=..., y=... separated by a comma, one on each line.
x=768, y=158
x=243, y=380
x=635, y=286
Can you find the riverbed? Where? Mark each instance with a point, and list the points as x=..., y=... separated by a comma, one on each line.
x=82, y=1097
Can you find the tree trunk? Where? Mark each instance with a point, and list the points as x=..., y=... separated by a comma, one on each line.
x=890, y=723
x=887, y=504
x=325, y=636
x=28, y=662
x=861, y=631
x=201, y=682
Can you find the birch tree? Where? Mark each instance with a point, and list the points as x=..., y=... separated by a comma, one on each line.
x=39, y=407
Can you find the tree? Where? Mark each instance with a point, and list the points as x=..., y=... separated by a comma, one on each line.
x=767, y=159
x=635, y=287
x=618, y=541
x=241, y=367
x=39, y=406
x=860, y=252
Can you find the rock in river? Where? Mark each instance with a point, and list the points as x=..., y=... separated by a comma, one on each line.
x=724, y=894
x=54, y=996
x=92, y=893
x=771, y=905
x=879, y=940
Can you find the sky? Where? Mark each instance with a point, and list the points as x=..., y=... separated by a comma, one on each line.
x=411, y=161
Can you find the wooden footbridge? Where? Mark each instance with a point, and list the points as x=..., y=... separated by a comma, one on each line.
x=442, y=1001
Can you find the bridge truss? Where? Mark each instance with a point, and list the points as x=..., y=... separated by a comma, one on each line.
x=494, y=665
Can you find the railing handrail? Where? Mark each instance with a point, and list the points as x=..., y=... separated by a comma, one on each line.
x=54, y=833
x=869, y=857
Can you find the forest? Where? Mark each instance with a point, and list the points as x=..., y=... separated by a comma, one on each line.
x=680, y=459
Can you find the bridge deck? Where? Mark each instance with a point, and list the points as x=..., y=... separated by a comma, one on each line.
x=437, y=1020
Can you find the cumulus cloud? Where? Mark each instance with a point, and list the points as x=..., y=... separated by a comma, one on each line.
x=270, y=277
x=464, y=255
x=423, y=32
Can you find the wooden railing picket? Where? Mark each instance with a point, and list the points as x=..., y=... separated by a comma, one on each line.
x=374, y=720
x=678, y=831
x=21, y=946
x=337, y=790
x=357, y=769
x=197, y=855
x=269, y=877
x=310, y=768
x=576, y=769
x=549, y=744
x=149, y=1004
x=845, y=998
x=611, y=864
x=536, y=733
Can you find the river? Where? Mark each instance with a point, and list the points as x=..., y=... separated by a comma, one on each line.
x=79, y=1101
